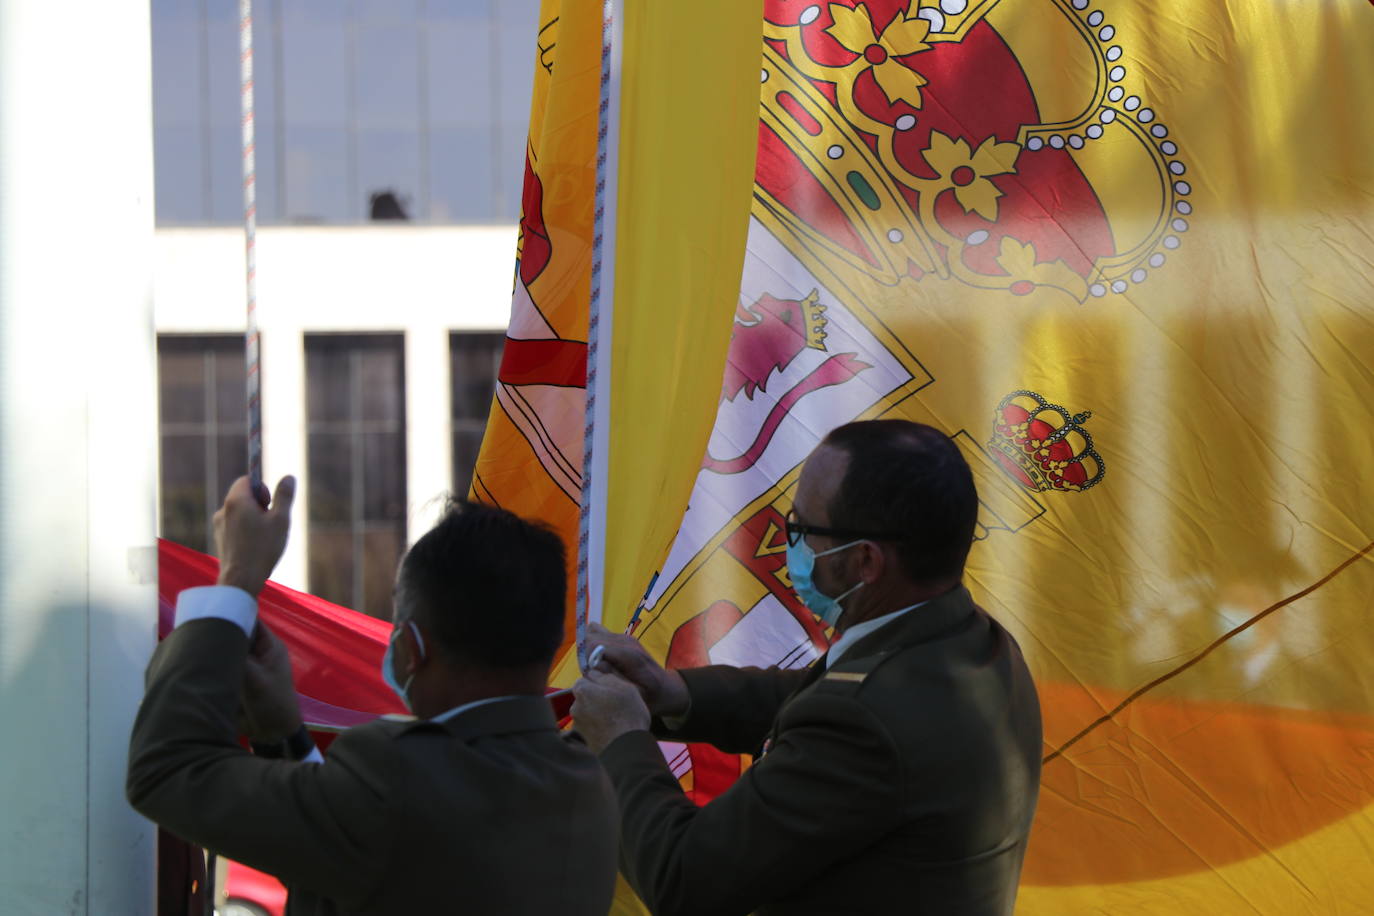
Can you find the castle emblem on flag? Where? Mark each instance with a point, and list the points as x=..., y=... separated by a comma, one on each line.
x=1043, y=446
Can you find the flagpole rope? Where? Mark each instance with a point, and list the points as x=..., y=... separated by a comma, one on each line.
x=594, y=332
x=251, y=359
x=250, y=233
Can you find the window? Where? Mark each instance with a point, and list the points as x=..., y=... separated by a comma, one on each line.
x=372, y=109
x=355, y=428
x=202, y=431
x=474, y=358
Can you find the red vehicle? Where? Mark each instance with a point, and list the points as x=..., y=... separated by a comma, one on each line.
x=250, y=892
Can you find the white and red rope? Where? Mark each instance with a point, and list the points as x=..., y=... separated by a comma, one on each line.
x=598, y=331
x=250, y=233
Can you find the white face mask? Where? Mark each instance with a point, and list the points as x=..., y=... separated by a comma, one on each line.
x=389, y=663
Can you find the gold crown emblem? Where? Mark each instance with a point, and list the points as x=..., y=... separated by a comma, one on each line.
x=843, y=94
x=813, y=315
x=1043, y=446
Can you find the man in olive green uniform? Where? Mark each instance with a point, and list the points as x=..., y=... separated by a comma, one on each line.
x=898, y=774
x=476, y=806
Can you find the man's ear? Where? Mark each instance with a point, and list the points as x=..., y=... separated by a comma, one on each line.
x=874, y=561
x=417, y=647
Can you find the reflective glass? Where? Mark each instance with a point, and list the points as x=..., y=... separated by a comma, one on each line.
x=462, y=175
x=428, y=99
x=389, y=162
x=179, y=174
x=317, y=176
x=388, y=77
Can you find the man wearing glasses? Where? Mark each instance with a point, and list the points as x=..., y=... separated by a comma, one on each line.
x=898, y=773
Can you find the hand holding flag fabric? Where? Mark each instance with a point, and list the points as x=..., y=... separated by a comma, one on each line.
x=606, y=707
x=663, y=691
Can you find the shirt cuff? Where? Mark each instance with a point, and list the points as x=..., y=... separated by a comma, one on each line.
x=223, y=601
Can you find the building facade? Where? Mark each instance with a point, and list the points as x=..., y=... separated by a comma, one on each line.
x=390, y=151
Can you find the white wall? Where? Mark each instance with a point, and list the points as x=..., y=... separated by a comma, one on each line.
x=78, y=605
x=424, y=281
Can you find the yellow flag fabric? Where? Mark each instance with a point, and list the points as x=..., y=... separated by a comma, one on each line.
x=1123, y=253
x=678, y=212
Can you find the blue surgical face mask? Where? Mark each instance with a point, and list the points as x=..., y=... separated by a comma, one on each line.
x=389, y=663
x=801, y=563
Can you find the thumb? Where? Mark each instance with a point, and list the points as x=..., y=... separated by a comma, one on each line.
x=284, y=496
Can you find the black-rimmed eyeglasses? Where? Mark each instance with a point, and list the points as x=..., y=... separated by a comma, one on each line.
x=796, y=530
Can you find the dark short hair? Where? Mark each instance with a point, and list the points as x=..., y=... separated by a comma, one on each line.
x=488, y=586
x=910, y=482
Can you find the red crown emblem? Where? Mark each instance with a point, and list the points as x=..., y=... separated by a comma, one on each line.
x=1043, y=446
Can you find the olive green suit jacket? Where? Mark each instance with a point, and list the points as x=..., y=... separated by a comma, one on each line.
x=490, y=811
x=902, y=779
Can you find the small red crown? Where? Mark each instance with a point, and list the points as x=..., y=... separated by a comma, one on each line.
x=1043, y=446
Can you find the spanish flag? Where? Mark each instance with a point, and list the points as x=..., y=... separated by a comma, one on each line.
x=1121, y=252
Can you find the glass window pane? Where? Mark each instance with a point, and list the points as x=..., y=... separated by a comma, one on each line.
x=461, y=174
x=231, y=389
x=317, y=173
x=474, y=358
x=330, y=563
x=328, y=385
x=315, y=71
x=184, y=516
x=384, y=475
x=466, y=444
x=357, y=458
x=267, y=113
x=450, y=9
x=331, y=477
x=222, y=64
x=516, y=28
x=176, y=69
x=389, y=162
x=319, y=11
x=460, y=72
x=204, y=447
x=378, y=11
x=226, y=175
x=231, y=460
x=381, y=381
x=179, y=174
x=181, y=385
x=382, y=549
x=388, y=83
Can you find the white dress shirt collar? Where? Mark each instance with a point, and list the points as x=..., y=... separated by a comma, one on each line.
x=860, y=630
x=445, y=716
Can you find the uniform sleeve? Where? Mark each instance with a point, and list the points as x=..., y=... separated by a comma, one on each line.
x=828, y=788
x=732, y=708
x=324, y=828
